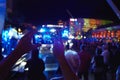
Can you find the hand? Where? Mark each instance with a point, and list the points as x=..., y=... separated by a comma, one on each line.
x=25, y=44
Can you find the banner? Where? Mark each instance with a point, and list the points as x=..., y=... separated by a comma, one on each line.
x=2, y=14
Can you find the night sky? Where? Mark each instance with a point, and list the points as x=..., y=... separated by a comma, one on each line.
x=50, y=11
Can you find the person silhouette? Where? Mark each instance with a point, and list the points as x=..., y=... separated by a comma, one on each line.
x=35, y=67
x=24, y=46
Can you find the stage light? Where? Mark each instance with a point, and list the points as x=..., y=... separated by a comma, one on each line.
x=5, y=35
x=12, y=33
x=42, y=30
x=65, y=33
x=52, y=30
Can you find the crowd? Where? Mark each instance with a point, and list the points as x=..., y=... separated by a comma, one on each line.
x=97, y=58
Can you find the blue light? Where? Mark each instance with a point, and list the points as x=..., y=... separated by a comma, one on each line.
x=38, y=38
x=65, y=33
x=5, y=35
x=47, y=37
x=42, y=30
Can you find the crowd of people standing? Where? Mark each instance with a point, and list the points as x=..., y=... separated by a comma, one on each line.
x=76, y=62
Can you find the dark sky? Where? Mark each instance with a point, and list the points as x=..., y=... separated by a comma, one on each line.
x=50, y=11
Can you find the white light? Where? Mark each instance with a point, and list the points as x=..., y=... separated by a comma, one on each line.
x=69, y=41
x=72, y=19
x=75, y=19
x=71, y=37
x=42, y=30
x=23, y=63
x=81, y=36
x=3, y=49
x=50, y=25
x=71, y=44
x=84, y=37
x=43, y=25
x=52, y=30
x=43, y=45
x=12, y=48
x=26, y=69
x=13, y=33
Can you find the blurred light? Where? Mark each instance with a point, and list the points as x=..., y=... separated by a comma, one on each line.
x=12, y=33
x=19, y=30
x=34, y=27
x=65, y=33
x=49, y=25
x=43, y=25
x=71, y=44
x=26, y=69
x=23, y=63
x=3, y=49
x=84, y=37
x=42, y=30
x=52, y=30
x=38, y=36
x=81, y=36
x=12, y=48
x=46, y=38
x=4, y=55
x=43, y=45
x=72, y=19
x=71, y=37
x=69, y=41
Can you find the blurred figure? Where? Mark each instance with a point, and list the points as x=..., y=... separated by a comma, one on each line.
x=73, y=61
x=98, y=66
x=35, y=67
x=105, y=54
x=59, y=52
x=85, y=59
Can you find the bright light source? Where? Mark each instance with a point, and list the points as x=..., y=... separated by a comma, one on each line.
x=23, y=63
x=65, y=33
x=71, y=37
x=3, y=49
x=19, y=30
x=12, y=33
x=52, y=30
x=84, y=37
x=69, y=41
x=42, y=30
x=72, y=19
x=50, y=25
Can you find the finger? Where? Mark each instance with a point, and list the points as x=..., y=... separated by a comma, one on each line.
x=31, y=33
x=36, y=45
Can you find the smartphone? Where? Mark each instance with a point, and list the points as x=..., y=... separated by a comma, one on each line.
x=43, y=38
